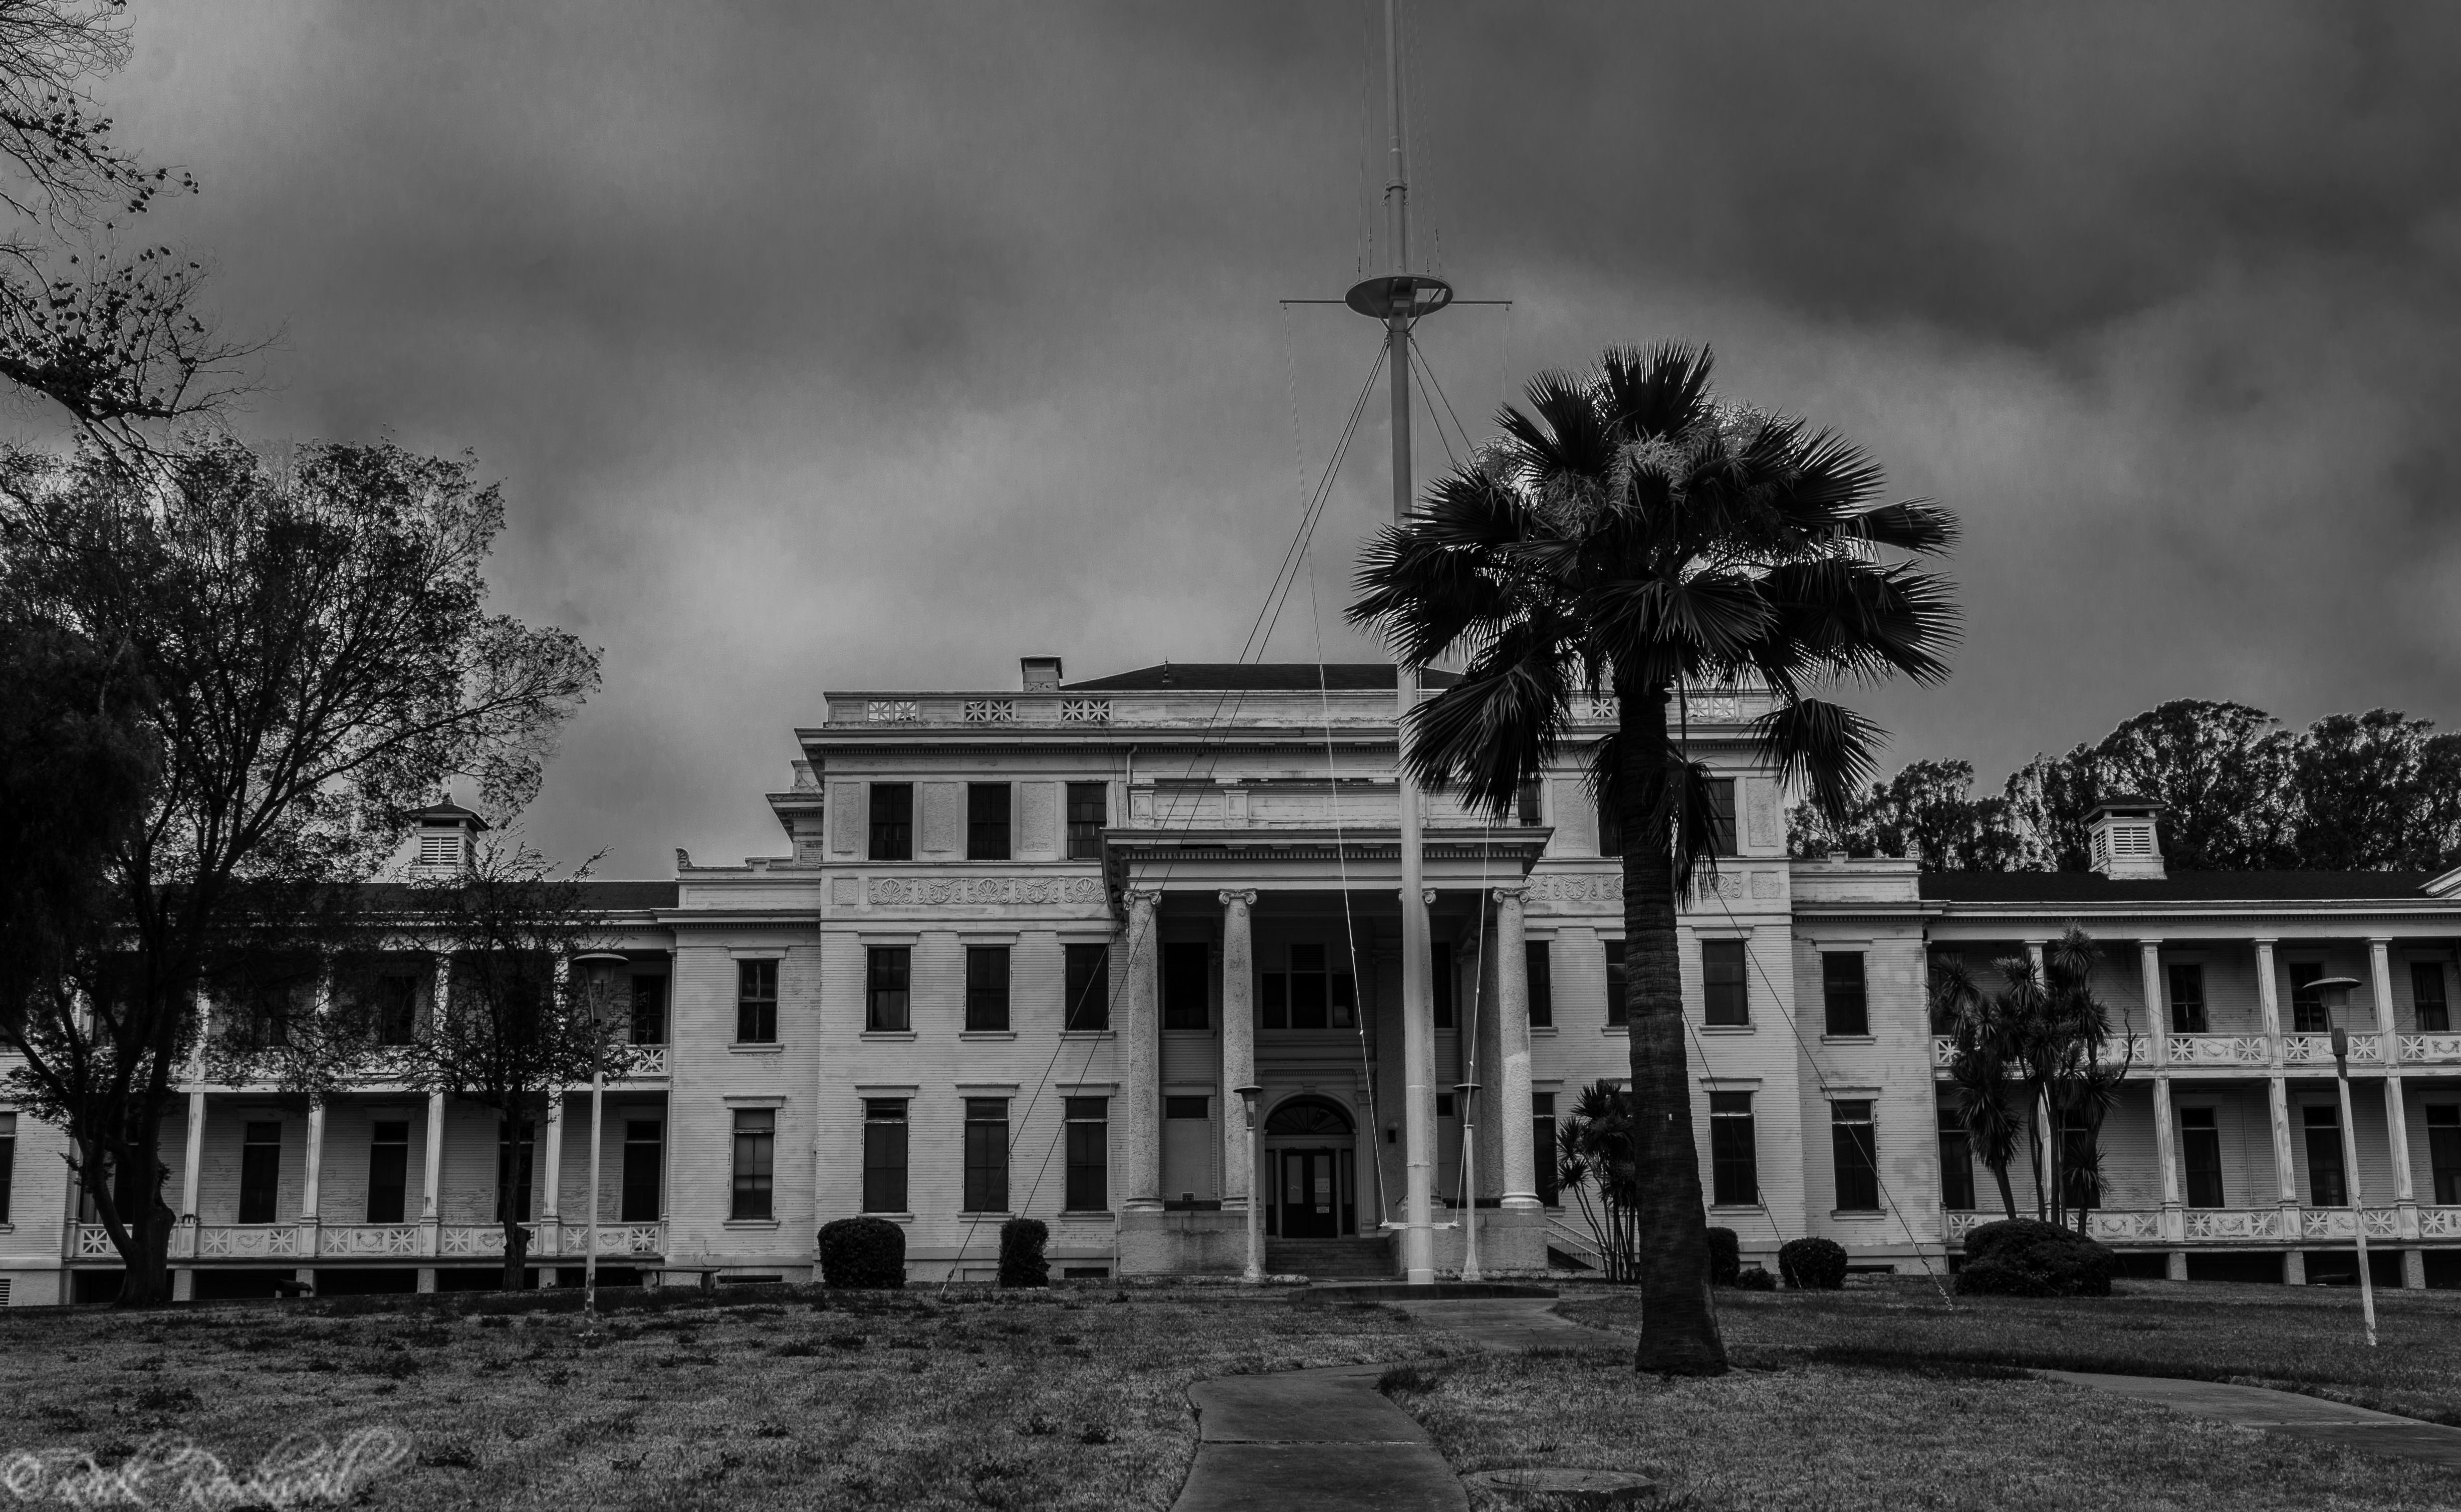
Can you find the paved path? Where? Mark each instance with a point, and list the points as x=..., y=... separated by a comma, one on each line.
x=2287, y=1413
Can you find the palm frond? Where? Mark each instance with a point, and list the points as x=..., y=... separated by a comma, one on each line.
x=1500, y=721
x=1829, y=748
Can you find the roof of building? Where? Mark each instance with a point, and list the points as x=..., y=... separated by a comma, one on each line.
x=2186, y=886
x=615, y=897
x=1338, y=677
x=449, y=812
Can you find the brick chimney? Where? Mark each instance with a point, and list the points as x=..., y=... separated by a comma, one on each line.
x=1041, y=674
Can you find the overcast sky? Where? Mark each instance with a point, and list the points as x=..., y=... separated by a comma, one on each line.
x=873, y=344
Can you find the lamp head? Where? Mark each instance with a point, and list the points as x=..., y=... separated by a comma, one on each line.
x=1247, y=1097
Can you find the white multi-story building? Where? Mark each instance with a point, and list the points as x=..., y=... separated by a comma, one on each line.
x=1027, y=945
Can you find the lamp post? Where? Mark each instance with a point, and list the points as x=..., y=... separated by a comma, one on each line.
x=1256, y=1271
x=2335, y=993
x=596, y=963
x=1467, y=1092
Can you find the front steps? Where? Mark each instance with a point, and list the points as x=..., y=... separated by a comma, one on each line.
x=1331, y=1259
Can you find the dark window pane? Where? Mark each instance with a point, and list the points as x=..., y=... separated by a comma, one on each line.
x=649, y=1011
x=2200, y=1151
x=1724, y=998
x=260, y=1172
x=2444, y=1151
x=1619, y=1003
x=1274, y=999
x=2080, y=1168
x=1721, y=816
x=2426, y=991
x=1956, y=1162
x=1308, y=987
x=1855, y=1155
x=8, y=1161
x=1734, y=1154
x=1541, y=969
x=1089, y=811
x=1841, y=992
x=397, y=1012
x=388, y=1171
x=1527, y=802
x=1440, y=981
x=756, y=1153
x=2325, y=1187
x=2307, y=1011
x=1187, y=974
x=883, y=1155
x=893, y=822
x=2187, y=998
x=987, y=820
x=1542, y=1146
x=889, y=972
x=1088, y=987
x=1345, y=1000
x=1610, y=830
x=644, y=1163
x=986, y=987
x=514, y=1146
x=986, y=1155
x=755, y=1002
x=1194, y=1108
x=1089, y=1181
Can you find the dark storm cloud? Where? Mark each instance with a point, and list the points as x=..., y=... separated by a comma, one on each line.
x=873, y=344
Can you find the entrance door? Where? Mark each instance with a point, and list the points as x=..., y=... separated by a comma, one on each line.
x=1311, y=1195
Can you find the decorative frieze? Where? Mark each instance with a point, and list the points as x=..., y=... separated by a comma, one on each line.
x=990, y=710
x=2316, y=1049
x=2220, y=1049
x=1085, y=710
x=893, y=712
x=911, y=892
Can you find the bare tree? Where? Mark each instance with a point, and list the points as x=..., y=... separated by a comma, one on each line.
x=319, y=661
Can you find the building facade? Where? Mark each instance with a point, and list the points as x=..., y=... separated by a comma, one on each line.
x=1027, y=945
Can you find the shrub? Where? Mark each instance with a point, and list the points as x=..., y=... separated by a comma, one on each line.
x=1021, y=1262
x=2024, y=1257
x=1726, y=1257
x=1812, y=1264
x=863, y=1253
x=1753, y=1278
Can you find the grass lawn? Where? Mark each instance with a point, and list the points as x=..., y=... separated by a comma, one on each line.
x=1821, y=1436
x=2305, y=1339
x=1071, y=1397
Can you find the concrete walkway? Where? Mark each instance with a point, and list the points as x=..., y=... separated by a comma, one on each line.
x=2311, y=1418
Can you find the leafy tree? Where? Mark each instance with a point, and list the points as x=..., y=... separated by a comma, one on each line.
x=2372, y=792
x=1927, y=811
x=110, y=335
x=1629, y=534
x=319, y=660
x=2220, y=770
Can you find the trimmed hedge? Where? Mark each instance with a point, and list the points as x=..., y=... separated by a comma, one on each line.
x=1755, y=1278
x=1021, y=1262
x=2025, y=1257
x=863, y=1253
x=1726, y=1257
x=1812, y=1264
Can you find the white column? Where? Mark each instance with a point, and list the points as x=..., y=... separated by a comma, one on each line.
x=315, y=1177
x=1238, y=1045
x=2158, y=1012
x=1512, y=1105
x=1141, y=1060
x=2285, y=1171
x=432, y=1169
x=2268, y=998
x=2396, y=1114
x=550, y=1228
x=195, y=1162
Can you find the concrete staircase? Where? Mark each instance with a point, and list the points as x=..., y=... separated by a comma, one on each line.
x=1331, y=1259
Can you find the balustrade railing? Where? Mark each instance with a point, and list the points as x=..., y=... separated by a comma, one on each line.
x=2246, y=1226
x=2366, y=1049
x=297, y=1241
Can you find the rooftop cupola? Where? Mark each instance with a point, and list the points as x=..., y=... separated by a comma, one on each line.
x=2123, y=844
x=1041, y=674
x=445, y=836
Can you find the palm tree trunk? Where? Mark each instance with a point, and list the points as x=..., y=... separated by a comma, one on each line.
x=2007, y=1194
x=1679, y=1332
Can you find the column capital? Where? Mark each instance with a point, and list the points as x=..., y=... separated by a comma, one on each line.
x=1428, y=897
x=1142, y=897
x=2380, y=940
x=1237, y=897
x=1510, y=892
x=2264, y=942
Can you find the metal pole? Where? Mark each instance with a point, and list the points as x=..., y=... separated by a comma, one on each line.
x=590, y=1261
x=1256, y=1271
x=1469, y=1186
x=2350, y=1173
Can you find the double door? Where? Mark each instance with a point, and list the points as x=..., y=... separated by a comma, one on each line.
x=1312, y=1194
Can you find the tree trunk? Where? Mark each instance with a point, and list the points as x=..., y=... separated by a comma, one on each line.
x=2007, y=1194
x=1679, y=1330
x=142, y=1236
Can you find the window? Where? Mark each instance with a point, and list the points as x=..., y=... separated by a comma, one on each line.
x=396, y=1014
x=986, y=987
x=1734, y=1158
x=2324, y=1186
x=1618, y=1004
x=1610, y=828
x=260, y=1172
x=2188, y=1000
x=1542, y=1145
x=1089, y=1147
x=1721, y=816
x=1308, y=997
x=1444, y=1104
x=755, y=1162
x=1088, y=986
x=1724, y=997
x=7, y=1160
x=1345, y=1000
x=1528, y=803
x=883, y=1155
x=649, y=1011
x=893, y=822
x=1841, y=992
x=388, y=1170
x=888, y=974
x=2443, y=1151
x=2426, y=991
x=2308, y=1015
x=1955, y=1161
x=1089, y=811
x=755, y=1002
x=2200, y=1151
x=1185, y=971
x=1274, y=999
x=264, y=1016
x=1541, y=970
x=987, y=820
x=1197, y=1108
x=644, y=1161
x=513, y=1146
x=986, y=1154
x=1856, y=1157
x=1439, y=982
x=2080, y=1167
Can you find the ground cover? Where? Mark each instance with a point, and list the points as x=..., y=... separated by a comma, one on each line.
x=1829, y=1437
x=1071, y=1397
x=2305, y=1339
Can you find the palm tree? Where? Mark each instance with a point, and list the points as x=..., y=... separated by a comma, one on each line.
x=1630, y=533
